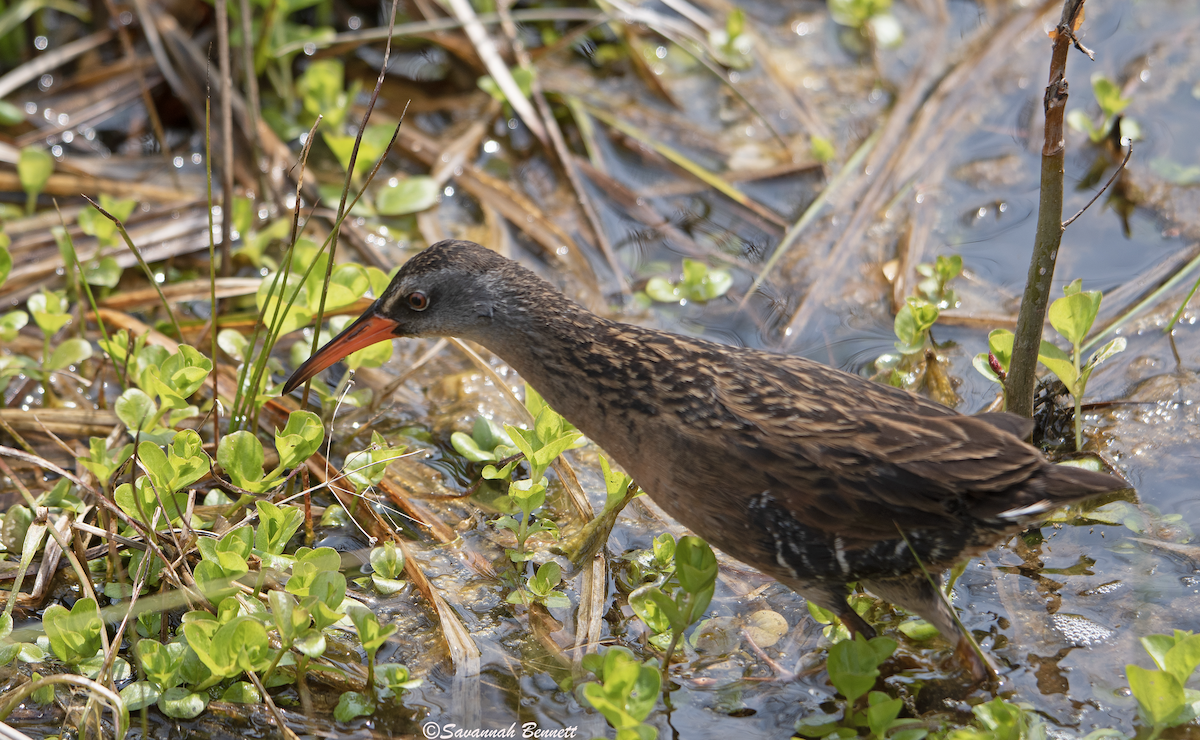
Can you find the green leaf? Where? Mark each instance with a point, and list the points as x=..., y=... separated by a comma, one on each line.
x=139, y=695
x=241, y=645
x=322, y=91
x=547, y=577
x=394, y=679
x=387, y=560
x=1182, y=659
x=523, y=76
x=1108, y=350
x=1156, y=645
x=276, y=526
x=1059, y=363
x=189, y=462
x=1108, y=95
x=352, y=704
x=300, y=438
x=370, y=633
x=43, y=695
x=156, y=464
x=822, y=149
x=882, y=710
x=663, y=290
x=311, y=643
x=695, y=565
x=375, y=140
x=12, y=534
x=241, y=455
x=410, y=195
x=1159, y=694
x=654, y=608
x=912, y=323
x=5, y=262
x=74, y=635
x=1004, y=720
x=629, y=691
x=854, y=13
x=136, y=410
x=466, y=446
x=1073, y=314
x=233, y=343
x=242, y=692
x=71, y=352
x=34, y=168
x=10, y=115
x=105, y=272
x=919, y=630
x=853, y=667
x=1000, y=344
x=181, y=703
x=347, y=284
x=49, y=311
x=161, y=662
x=268, y=303
x=11, y=323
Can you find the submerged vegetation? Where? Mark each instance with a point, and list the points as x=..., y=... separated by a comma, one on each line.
x=186, y=547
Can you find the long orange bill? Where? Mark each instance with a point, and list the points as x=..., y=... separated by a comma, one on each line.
x=370, y=328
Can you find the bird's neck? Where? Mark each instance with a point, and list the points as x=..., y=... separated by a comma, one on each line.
x=580, y=363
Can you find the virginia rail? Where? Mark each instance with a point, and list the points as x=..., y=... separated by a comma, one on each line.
x=807, y=473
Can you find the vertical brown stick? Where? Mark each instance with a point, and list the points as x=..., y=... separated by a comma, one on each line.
x=1019, y=385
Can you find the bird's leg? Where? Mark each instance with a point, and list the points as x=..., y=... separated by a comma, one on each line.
x=919, y=595
x=856, y=624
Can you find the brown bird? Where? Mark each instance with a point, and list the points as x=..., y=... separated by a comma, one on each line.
x=807, y=473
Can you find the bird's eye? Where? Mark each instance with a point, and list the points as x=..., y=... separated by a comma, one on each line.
x=418, y=301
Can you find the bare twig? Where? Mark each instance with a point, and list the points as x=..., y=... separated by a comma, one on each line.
x=1100, y=192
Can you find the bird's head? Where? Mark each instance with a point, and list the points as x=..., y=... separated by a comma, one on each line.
x=453, y=288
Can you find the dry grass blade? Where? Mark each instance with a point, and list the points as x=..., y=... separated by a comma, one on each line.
x=464, y=653
x=64, y=421
x=565, y=158
x=635, y=207
x=592, y=599
x=61, y=183
x=792, y=237
x=419, y=28
x=186, y=291
x=486, y=48
x=51, y=59
x=688, y=165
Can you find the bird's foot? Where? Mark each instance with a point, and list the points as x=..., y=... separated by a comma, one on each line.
x=969, y=657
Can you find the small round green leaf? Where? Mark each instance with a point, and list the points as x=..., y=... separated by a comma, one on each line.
x=410, y=195
x=71, y=352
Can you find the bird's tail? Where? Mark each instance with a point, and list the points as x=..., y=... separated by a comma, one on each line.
x=1059, y=485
